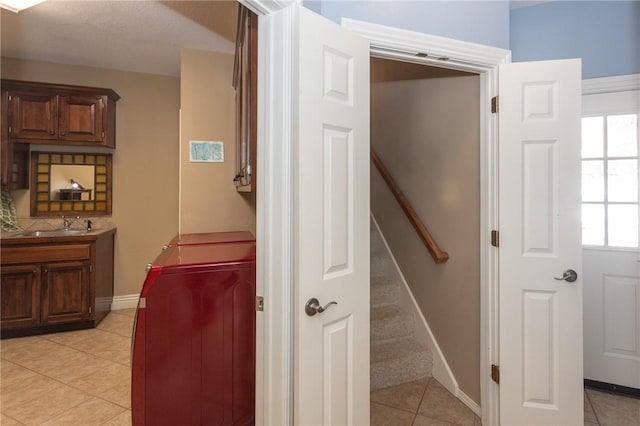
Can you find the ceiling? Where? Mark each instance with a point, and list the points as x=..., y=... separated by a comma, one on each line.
x=141, y=36
x=133, y=35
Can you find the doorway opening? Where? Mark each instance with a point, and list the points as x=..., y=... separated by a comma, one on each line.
x=425, y=316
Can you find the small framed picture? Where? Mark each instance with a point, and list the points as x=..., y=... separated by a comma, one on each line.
x=206, y=152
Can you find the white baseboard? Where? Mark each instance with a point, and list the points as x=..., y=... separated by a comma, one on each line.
x=441, y=370
x=126, y=301
x=466, y=400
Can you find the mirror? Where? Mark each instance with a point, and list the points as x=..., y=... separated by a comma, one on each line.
x=70, y=184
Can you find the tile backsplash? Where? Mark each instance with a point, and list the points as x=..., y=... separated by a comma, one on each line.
x=44, y=224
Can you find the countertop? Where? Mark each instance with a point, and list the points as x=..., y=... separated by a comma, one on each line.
x=17, y=238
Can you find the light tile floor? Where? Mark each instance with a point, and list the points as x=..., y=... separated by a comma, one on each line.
x=427, y=403
x=83, y=378
x=73, y=378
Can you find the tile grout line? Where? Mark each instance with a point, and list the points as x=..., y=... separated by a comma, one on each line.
x=119, y=414
x=424, y=392
x=593, y=409
x=15, y=420
x=83, y=392
x=72, y=387
x=391, y=406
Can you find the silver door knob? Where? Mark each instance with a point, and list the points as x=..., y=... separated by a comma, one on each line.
x=313, y=307
x=569, y=276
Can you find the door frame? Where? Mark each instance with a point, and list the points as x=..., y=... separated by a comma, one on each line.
x=274, y=210
x=274, y=200
x=410, y=46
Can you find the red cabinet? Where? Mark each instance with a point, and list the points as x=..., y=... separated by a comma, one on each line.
x=194, y=337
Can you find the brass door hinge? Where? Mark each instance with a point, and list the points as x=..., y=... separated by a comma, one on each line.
x=495, y=104
x=495, y=373
x=259, y=303
x=495, y=238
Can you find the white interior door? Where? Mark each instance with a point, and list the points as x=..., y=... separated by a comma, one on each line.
x=610, y=135
x=331, y=237
x=541, y=378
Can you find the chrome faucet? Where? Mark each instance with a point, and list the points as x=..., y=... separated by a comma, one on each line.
x=66, y=222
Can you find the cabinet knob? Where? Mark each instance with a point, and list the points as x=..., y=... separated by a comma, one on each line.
x=62, y=133
x=51, y=132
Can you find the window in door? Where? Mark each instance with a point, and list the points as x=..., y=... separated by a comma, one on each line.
x=610, y=180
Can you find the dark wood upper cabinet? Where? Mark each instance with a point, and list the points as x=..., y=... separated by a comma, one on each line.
x=82, y=118
x=245, y=82
x=51, y=114
x=33, y=116
x=60, y=114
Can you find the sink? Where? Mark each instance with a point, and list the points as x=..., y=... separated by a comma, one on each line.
x=54, y=233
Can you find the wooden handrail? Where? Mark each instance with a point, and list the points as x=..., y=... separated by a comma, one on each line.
x=438, y=255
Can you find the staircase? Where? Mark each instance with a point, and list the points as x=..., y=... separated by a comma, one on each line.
x=396, y=356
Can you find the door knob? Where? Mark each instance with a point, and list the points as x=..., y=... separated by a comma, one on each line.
x=569, y=276
x=313, y=307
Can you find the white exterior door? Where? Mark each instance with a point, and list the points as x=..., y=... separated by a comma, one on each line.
x=611, y=238
x=541, y=377
x=331, y=236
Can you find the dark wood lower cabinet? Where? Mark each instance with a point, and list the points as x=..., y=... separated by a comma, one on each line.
x=65, y=296
x=20, y=296
x=55, y=284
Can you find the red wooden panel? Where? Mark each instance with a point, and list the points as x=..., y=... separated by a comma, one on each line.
x=194, y=342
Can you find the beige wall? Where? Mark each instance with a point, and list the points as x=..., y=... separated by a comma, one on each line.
x=427, y=133
x=208, y=198
x=145, y=162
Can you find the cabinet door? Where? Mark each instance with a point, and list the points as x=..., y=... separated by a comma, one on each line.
x=6, y=150
x=65, y=295
x=81, y=118
x=20, y=296
x=14, y=157
x=33, y=116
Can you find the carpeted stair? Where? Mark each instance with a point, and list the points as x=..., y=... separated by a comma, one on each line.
x=396, y=356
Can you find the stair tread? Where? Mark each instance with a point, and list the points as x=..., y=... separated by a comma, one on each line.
x=382, y=280
x=399, y=348
x=386, y=312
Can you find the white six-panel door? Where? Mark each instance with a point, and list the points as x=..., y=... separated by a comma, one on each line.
x=539, y=173
x=331, y=237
